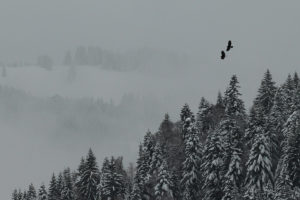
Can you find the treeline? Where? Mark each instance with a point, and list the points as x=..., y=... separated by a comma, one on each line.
x=92, y=116
x=220, y=153
x=106, y=59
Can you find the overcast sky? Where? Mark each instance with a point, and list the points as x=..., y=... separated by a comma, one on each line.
x=265, y=34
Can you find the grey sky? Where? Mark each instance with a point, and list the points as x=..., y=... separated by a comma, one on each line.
x=265, y=34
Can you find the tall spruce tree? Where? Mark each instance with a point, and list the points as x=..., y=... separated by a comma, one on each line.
x=184, y=115
x=53, y=193
x=15, y=195
x=20, y=195
x=212, y=167
x=232, y=131
x=67, y=189
x=59, y=184
x=259, y=167
x=31, y=194
x=191, y=176
x=266, y=94
x=112, y=182
x=203, y=121
x=164, y=184
x=42, y=195
x=296, y=80
x=90, y=178
x=288, y=93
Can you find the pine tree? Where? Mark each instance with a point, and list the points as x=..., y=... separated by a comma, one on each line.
x=266, y=94
x=141, y=171
x=156, y=160
x=112, y=182
x=191, y=177
x=78, y=175
x=234, y=106
x=42, y=193
x=277, y=121
x=136, y=192
x=212, y=167
x=288, y=93
x=59, y=184
x=88, y=182
x=259, y=167
x=31, y=194
x=15, y=195
x=296, y=80
x=164, y=185
x=185, y=114
x=255, y=123
x=67, y=190
x=231, y=130
x=53, y=193
x=203, y=122
x=25, y=195
x=20, y=195
x=165, y=132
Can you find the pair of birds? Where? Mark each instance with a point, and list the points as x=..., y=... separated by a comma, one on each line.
x=229, y=46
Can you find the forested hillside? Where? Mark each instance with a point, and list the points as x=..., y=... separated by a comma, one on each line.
x=219, y=152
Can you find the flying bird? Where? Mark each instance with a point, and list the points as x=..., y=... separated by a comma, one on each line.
x=229, y=45
x=222, y=55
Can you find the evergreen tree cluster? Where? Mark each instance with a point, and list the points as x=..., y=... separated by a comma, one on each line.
x=221, y=153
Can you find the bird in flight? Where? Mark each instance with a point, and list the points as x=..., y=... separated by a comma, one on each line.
x=229, y=45
x=222, y=55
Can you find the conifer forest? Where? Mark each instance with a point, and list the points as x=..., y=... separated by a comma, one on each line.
x=219, y=152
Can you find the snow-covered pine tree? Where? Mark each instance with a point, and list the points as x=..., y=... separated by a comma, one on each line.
x=165, y=132
x=90, y=178
x=203, y=122
x=31, y=194
x=138, y=184
x=266, y=94
x=212, y=167
x=234, y=105
x=259, y=167
x=25, y=195
x=296, y=80
x=276, y=120
x=185, y=114
x=125, y=178
x=67, y=190
x=112, y=182
x=78, y=176
x=231, y=130
x=291, y=165
x=288, y=93
x=59, y=184
x=20, y=195
x=144, y=162
x=42, y=193
x=53, y=193
x=164, y=184
x=191, y=177
x=15, y=195
x=136, y=192
x=104, y=172
x=253, y=126
x=156, y=159
x=217, y=113
x=284, y=186
x=148, y=150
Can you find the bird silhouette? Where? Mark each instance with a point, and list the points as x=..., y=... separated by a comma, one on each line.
x=229, y=45
x=222, y=55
